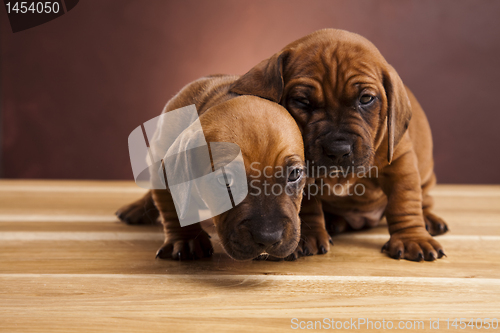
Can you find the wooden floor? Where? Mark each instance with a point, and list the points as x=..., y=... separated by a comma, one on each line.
x=67, y=264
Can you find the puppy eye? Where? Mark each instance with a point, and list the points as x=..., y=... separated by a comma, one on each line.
x=366, y=99
x=294, y=175
x=222, y=181
x=301, y=102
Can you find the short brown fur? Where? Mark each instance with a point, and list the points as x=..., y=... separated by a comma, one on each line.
x=322, y=80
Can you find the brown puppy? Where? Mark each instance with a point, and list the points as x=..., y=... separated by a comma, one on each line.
x=260, y=223
x=354, y=114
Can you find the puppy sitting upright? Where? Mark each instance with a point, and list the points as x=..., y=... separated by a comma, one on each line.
x=354, y=112
x=268, y=138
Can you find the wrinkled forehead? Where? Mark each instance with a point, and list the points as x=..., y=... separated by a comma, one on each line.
x=332, y=57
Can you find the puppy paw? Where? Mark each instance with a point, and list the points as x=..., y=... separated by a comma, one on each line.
x=413, y=244
x=434, y=224
x=186, y=248
x=138, y=213
x=313, y=242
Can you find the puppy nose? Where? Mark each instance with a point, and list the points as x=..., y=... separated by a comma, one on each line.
x=267, y=238
x=337, y=150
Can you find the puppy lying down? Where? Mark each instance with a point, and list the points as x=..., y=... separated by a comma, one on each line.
x=265, y=221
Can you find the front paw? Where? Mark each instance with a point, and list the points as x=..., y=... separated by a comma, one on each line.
x=313, y=241
x=414, y=244
x=434, y=224
x=186, y=247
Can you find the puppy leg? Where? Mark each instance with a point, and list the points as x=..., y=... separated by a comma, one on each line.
x=314, y=239
x=142, y=211
x=409, y=238
x=434, y=224
x=181, y=243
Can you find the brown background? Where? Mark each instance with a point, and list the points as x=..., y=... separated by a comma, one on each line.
x=74, y=88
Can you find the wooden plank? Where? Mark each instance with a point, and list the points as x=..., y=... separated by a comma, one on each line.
x=67, y=198
x=66, y=265
x=349, y=257
x=196, y=302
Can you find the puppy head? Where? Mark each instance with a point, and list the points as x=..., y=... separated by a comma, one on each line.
x=267, y=220
x=343, y=94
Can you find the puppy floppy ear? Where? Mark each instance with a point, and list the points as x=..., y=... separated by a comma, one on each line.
x=398, y=109
x=177, y=169
x=186, y=160
x=264, y=80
